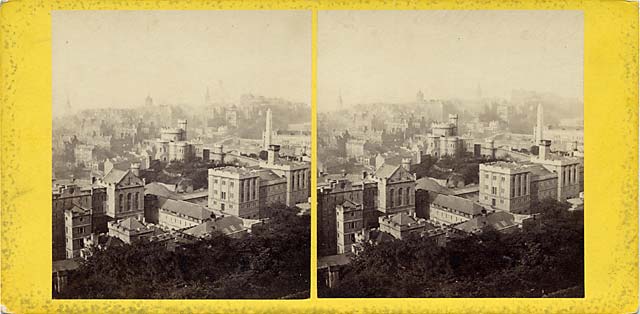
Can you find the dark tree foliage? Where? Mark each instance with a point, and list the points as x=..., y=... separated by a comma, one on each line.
x=545, y=260
x=466, y=166
x=196, y=170
x=271, y=262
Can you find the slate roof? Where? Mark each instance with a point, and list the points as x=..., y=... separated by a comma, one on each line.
x=380, y=236
x=431, y=185
x=131, y=224
x=458, y=203
x=227, y=225
x=65, y=264
x=403, y=219
x=79, y=210
x=185, y=208
x=386, y=171
x=540, y=172
x=497, y=220
x=333, y=260
x=114, y=176
x=155, y=188
x=268, y=175
x=349, y=204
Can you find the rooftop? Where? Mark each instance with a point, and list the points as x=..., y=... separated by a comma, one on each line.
x=507, y=164
x=77, y=210
x=227, y=225
x=114, y=176
x=186, y=208
x=386, y=171
x=458, y=203
x=498, y=220
x=333, y=260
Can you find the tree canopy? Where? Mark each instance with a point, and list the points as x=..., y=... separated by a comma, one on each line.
x=544, y=259
x=271, y=262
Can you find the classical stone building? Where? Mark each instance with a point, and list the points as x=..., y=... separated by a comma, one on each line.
x=235, y=190
x=244, y=191
x=514, y=186
x=297, y=174
x=506, y=186
x=125, y=193
x=396, y=188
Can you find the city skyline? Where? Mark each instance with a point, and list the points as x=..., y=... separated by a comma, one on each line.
x=389, y=56
x=115, y=59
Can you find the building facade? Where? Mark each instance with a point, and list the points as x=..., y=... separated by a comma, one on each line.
x=125, y=194
x=505, y=186
x=396, y=188
x=235, y=190
x=77, y=228
x=349, y=221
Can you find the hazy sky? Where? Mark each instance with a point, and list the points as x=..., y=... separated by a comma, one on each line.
x=389, y=55
x=116, y=58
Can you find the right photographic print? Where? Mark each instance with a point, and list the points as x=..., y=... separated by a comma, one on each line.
x=450, y=154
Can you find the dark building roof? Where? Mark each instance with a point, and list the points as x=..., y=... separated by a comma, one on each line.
x=386, y=171
x=431, y=185
x=114, y=176
x=155, y=188
x=185, y=208
x=539, y=172
x=333, y=260
x=227, y=225
x=498, y=220
x=457, y=203
x=65, y=264
x=78, y=210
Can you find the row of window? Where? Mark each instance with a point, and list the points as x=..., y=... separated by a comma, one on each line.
x=400, y=197
x=78, y=230
x=130, y=203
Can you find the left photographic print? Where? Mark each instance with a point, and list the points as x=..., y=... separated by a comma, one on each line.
x=181, y=144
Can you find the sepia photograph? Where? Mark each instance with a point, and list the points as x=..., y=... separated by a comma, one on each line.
x=450, y=154
x=181, y=144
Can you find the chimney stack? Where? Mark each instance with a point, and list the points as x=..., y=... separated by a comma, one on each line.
x=273, y=153
x=544, y=149
x=135, y=169
x=406, y=163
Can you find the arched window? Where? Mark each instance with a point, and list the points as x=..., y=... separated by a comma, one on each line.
x=136, y=200
x=128, y=201
x=400, y=196
x=408, y=196
x=391, y=196
x=120, y=201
